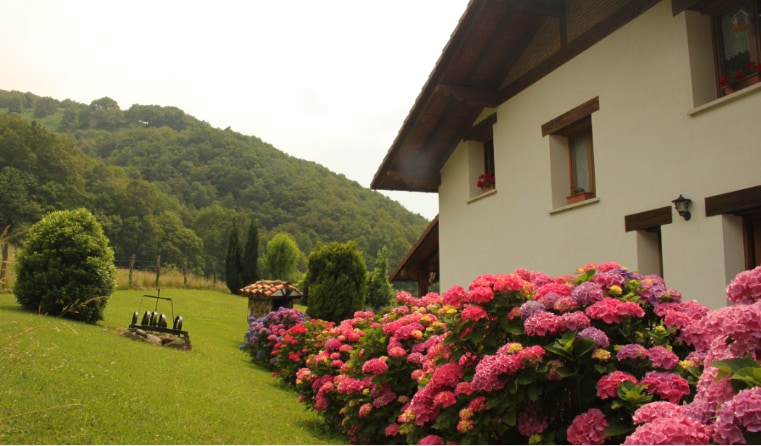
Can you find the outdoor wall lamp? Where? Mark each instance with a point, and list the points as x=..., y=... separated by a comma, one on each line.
x=682, y=205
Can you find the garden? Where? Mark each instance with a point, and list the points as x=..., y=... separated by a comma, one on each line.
x=601, y=356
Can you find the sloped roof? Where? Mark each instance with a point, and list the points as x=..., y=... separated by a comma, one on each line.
x=422, y=259
x=498, y=49
x=268, y=289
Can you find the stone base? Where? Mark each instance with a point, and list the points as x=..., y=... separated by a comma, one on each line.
x=161, y=339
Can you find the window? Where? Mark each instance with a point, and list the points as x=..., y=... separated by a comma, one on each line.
x=736, y=40
x=736, y=31
x=581, y=158
x=649, y=242
x=482, y=167
x=487, y=180
x=572, y=155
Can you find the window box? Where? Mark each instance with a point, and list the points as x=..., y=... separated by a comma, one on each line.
x=740, y=84
x=579, y=197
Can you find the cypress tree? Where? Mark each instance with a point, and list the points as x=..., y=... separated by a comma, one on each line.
x=233, y=268
x=250, y=272
x=379, y=289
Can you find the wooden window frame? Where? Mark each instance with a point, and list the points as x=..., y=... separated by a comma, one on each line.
x=572, y=124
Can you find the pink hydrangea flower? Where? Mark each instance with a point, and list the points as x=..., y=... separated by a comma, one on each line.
x=455, y=295
x=375, y=366
x=662, y=357
x=542, y=323
x=480, y=295
x=610, y=310
x=431, y=439
x=474, y=313
x=392, y=430
x=745, y=288
x=656, y=410
x=671, y=430
x=666, y=385
x=607, y=386
x=504, y=283
x=531, y=421
x=588, y=428
x=741, y=414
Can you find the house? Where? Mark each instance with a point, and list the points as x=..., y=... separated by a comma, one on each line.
x=596, y=119
x=266, y=296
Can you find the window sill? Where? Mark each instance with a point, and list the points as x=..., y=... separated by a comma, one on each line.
x=482, y=195
x=752, y=89
x=574, y=206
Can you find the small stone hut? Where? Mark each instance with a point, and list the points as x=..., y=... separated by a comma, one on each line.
x=266, y=296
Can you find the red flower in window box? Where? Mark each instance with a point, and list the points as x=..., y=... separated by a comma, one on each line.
x=486, y=180
x=740, y=79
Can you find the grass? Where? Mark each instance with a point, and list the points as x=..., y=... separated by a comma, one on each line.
x=65, y=382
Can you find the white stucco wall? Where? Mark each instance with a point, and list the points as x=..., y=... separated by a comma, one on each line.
x=650, y=145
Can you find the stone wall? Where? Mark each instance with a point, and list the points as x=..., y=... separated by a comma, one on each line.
x=161, y=339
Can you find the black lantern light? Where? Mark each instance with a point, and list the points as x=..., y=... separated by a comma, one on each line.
x=682, y=206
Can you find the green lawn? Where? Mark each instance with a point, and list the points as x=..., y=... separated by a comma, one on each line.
x=69, y=382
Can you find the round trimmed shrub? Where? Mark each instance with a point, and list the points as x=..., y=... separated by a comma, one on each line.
x=66, y=267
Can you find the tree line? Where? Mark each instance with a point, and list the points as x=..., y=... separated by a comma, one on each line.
x=163, y=183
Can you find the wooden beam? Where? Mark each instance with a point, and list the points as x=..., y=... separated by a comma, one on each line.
x=482, y=131
x=551, y=8
x=571, y=116
x=478, y=96
x=648, y=219
x=733, y=202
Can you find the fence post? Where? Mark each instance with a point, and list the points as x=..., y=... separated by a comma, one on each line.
x=213, y=273
x=158, y=270
x=131, y=268
x=185, y=272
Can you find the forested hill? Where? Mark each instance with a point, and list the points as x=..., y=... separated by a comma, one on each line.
x=164, y=183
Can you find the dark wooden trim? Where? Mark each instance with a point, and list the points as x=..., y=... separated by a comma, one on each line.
x=678, y=6
x=482, y=131
x=478, y=96
x=735, y=202
x=566, y=119
x=648, y=219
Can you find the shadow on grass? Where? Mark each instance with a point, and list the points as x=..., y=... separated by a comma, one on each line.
x=323, y=431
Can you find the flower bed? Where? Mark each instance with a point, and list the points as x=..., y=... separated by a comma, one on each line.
x=524, y=357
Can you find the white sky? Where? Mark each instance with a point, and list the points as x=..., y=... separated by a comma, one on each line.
x=328, y=81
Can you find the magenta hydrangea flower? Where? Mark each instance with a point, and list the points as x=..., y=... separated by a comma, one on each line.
x=607, y=386
x=671, y=430
x=741, y=414
x=505, y=283
x=588, y=428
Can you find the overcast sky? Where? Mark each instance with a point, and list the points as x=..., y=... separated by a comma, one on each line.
x=327, y=81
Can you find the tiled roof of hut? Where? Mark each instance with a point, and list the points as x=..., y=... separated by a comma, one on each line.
x=271, y=288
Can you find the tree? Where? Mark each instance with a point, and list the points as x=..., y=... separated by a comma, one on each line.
x=250, y=271
x=281, y=257
x=336, y=281
x=66, y=267
x=379, y=289
x=233, y=262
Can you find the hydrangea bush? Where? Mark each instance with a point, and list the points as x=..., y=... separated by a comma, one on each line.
x=602, y=356
x=264, y=332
